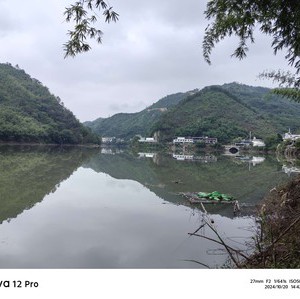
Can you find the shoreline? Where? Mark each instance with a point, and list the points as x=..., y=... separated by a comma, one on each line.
x=49, y=144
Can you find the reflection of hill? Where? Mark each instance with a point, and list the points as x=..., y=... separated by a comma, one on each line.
x=27, y=174
x=167, y=176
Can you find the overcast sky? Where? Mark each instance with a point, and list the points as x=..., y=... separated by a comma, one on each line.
x=155, y=49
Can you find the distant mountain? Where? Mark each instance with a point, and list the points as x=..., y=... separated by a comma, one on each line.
x=30, y=113
x=281, y=112
x=225, y=112
x=127, y=125
x=217, y=112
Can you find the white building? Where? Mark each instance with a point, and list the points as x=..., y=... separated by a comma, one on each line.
x=290, y=136
x=258, y=142
x=183, y=140
x=206, y=140
x=148, y=139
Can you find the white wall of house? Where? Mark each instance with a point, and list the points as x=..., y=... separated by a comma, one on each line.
x=195, y=139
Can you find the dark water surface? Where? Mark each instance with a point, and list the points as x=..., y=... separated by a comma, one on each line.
x=80, y=208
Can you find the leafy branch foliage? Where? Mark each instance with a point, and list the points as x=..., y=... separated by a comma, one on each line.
x=279, y=19
x=84, y=14
x=289, y=84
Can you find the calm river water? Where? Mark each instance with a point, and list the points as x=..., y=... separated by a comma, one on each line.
x=87, y=208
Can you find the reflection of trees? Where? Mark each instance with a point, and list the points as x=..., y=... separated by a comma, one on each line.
x=179, y=176
x=291, y=165
x=27, y=174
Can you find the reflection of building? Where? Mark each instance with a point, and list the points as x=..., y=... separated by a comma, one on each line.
x=183, y=157
x=146, y=155
x=107, y=151
x=251, y=142
x=154, y=156
x=110, y=151
x=204, y=159
x=206, y=140
x=251, y=160
x=108, y=139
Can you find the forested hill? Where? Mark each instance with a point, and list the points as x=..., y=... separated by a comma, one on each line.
x=225, y=112
x=127, y=125
x=30, y=113
x=230, y=111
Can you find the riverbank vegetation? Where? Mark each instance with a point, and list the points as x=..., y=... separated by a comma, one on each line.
x=289, y=148
x=278, y=242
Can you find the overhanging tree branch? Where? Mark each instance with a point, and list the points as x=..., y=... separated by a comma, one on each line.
x=84, y=16
x=279, y=19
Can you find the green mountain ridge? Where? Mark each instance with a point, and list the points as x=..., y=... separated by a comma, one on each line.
x=30, y=113
x=127, y=125
x=213, y=112
x=281, y=112
x=225, y=112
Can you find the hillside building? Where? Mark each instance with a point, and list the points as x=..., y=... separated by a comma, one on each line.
x=183, y=140
x=290, y=136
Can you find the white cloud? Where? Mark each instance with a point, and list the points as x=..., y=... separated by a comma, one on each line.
x=154, y=50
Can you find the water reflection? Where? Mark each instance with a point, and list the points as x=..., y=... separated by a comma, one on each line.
x=252, y=160
x=96, y=221
x=28, y=173
x=290, y=165
x=207, y=158
x=246, y=178
x=116, y=209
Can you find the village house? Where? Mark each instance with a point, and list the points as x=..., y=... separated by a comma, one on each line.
x=206, y=140
x=148, y=140
x=290, y=136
